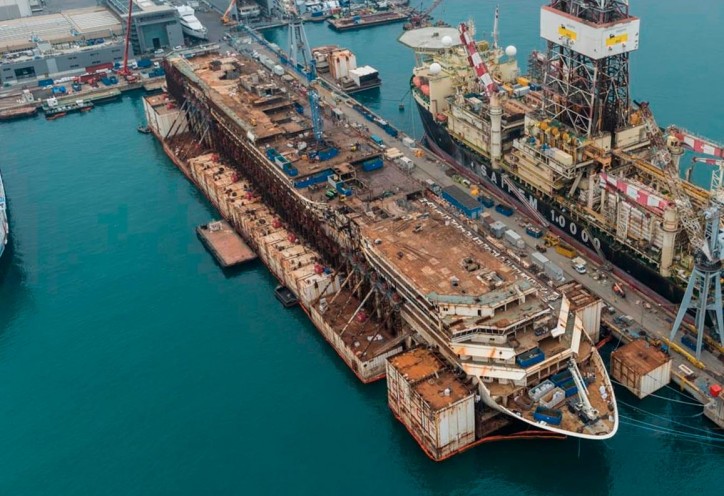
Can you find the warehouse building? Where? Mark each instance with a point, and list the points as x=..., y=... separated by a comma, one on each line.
x=46, y=45
x=14, y=9
x=154, y=25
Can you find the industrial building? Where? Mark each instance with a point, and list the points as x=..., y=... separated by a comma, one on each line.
x=153, y=25
x=13, y=9
x=70, y=41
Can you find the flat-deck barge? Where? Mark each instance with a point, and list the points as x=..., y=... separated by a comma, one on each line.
x=363, y=21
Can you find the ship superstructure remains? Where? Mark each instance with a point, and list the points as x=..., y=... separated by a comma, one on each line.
x=379, y=268
x=575, y=151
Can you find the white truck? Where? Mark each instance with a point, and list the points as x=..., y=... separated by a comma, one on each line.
x=579, y=265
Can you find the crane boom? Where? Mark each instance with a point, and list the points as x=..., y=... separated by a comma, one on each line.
x=124, y=71
x=662, y=159
x=476, y=61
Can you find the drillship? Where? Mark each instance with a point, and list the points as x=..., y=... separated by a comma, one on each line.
x=4, y=226
x=564, y=142
x=190, y=25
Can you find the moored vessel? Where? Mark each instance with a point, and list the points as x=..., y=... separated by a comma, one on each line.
x=578, y=162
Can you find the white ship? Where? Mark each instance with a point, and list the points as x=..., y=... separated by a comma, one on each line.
x=190, y=25
x=4, y=226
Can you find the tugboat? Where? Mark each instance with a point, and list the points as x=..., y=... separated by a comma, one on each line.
x=285, y=296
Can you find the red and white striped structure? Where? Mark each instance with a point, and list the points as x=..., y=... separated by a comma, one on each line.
x=697, y=143
x=476, y=61
x=638, y=194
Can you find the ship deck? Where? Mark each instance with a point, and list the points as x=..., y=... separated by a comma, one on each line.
x=436, y=256
x=269, y=108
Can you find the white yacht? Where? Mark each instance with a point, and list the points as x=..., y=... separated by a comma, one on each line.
x=190, y=25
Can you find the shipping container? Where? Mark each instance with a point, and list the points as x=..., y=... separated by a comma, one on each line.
x=504, y=209
x=548, y=415
x=539, y=260
x=498, y=229
x=44, y=83
x=565, y=250
x=486, y=201
x=554, y=272
x=99, y=67
x=433, y=187
x=534, y=232
x=377, y=139
x=530, y=358
x=372, y=164
x=514, y=239
x=539, y=391
x=462, y=201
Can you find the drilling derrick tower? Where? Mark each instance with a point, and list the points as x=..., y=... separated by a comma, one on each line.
x=586, y=83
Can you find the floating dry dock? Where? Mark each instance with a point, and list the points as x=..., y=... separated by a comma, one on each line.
x=379, y=268
x=222, y=241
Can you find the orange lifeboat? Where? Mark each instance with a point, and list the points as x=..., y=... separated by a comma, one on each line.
x=441, y=117
x=425, y=88
x=416, y=81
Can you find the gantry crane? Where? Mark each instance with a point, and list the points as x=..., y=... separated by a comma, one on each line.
x=705, y=279
x=300, y=56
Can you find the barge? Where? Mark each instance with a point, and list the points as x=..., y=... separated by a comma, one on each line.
x=362, y=21
x=581, y=170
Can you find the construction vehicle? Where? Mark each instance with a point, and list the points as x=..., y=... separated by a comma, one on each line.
x=124, y=71
x=227, y=18
x=550, y=240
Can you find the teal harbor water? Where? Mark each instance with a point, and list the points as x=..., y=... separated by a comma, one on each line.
x=130, y=364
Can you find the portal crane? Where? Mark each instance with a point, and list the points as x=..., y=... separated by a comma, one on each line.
x=419, y=18
x=300, y=55
x=706, y=275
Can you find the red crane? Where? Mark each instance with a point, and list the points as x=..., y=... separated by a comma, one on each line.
x=125, y=72
x=419, y=18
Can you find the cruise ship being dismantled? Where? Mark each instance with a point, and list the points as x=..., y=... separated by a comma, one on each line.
x=565, y=142
x=472, y=344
